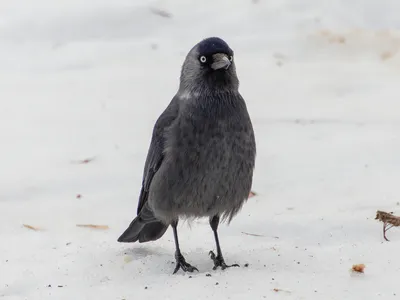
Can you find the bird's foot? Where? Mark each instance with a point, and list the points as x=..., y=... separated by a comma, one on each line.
x=182, y=264
x=220, y=262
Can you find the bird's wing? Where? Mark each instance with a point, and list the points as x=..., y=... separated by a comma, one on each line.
x=155, y=154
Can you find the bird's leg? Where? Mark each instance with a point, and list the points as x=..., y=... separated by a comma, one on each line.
x=180, y=260
x=218, y=259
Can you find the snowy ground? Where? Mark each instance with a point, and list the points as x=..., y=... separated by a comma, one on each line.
x=87, y=79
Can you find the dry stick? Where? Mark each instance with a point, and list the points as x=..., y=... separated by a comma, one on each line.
x=389, y=221
x=384, y=231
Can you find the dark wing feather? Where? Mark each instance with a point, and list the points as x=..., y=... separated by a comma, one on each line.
x=145, y=227
x=155, y=154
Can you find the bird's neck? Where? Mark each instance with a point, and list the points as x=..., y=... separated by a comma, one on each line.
x=213, y=104
x=189, y=94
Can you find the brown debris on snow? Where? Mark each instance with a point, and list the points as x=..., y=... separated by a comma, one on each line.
x=252, y=234
x=387, y=55
x=276, y=290
x=101, y=227
x=161, y=13
x=359, y=268
x=333, y=37
x=389, y=221
x=83, y=161
x=31, y=227
x=259, y=235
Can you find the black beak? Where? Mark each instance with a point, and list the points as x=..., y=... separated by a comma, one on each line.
x=220, y=61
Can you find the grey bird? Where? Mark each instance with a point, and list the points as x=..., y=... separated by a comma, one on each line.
x=202, y=153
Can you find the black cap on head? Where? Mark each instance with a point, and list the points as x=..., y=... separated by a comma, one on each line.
x=213, y=45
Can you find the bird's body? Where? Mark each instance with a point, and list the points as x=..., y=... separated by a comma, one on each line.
x=202, y=153
x=205, y=171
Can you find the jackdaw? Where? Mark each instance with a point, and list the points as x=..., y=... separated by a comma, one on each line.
x=202, y=153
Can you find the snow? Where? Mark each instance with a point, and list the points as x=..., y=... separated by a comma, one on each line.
x=87, y=80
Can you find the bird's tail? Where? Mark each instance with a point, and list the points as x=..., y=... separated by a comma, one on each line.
x=131, y=234
x=142, y=232
x=144, y=228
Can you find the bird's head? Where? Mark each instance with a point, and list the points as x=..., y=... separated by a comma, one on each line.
x=209, y=67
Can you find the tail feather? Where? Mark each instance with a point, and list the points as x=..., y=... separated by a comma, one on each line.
x=152, y=232
x=142, y=232
x=144, y=228
x=131, y=234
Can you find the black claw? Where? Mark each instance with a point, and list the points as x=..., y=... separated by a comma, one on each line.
x=220, y=262
x=182, y=264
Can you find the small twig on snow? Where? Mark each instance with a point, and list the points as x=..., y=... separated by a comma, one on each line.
x=389, y=221
x=253, y=234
